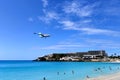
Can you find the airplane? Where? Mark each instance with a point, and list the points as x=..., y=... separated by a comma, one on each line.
x=43, y=35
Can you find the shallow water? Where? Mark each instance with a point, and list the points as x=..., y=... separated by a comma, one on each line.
x=29, y=70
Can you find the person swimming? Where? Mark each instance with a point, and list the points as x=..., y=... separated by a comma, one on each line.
x=44, y=78
x=99, y=68
x=118, y=68
x=95, y=69
x=110, y=68
x=57, y=73
x=72, y=72
x=87, y=76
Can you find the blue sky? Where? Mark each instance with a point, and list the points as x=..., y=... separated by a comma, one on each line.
x=74, y=25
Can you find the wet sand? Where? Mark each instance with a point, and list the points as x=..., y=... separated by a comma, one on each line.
x=115, y=76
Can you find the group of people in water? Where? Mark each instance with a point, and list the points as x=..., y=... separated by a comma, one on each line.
x=99, y=69
x=102, y=68
x=44, y=78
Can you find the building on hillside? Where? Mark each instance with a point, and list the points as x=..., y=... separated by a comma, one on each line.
x=76, y=56
x=99, y=53
x=95, y=55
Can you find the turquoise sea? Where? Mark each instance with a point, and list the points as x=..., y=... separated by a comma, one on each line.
x=29, y=70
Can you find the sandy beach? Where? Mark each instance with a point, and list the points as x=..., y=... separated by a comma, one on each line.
x=115, y=76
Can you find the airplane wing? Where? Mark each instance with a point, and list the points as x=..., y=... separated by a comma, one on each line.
x=40, y=36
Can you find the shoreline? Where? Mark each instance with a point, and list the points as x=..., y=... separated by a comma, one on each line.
x=113, y=76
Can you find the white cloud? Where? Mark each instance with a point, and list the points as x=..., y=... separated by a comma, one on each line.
x=45, y=3
x=99, y=31
x=86, y=21
x=79, y=9
x=79, y=26
x=72, y=25
x=68, y=25
x=49, y=16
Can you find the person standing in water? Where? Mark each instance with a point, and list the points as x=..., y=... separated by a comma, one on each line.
x=57, y=73
x=44, y=78
x=72, y=72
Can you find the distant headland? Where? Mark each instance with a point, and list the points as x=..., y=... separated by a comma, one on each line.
x=90, y=56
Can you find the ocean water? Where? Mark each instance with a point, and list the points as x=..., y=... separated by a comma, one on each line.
x=29, y=70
